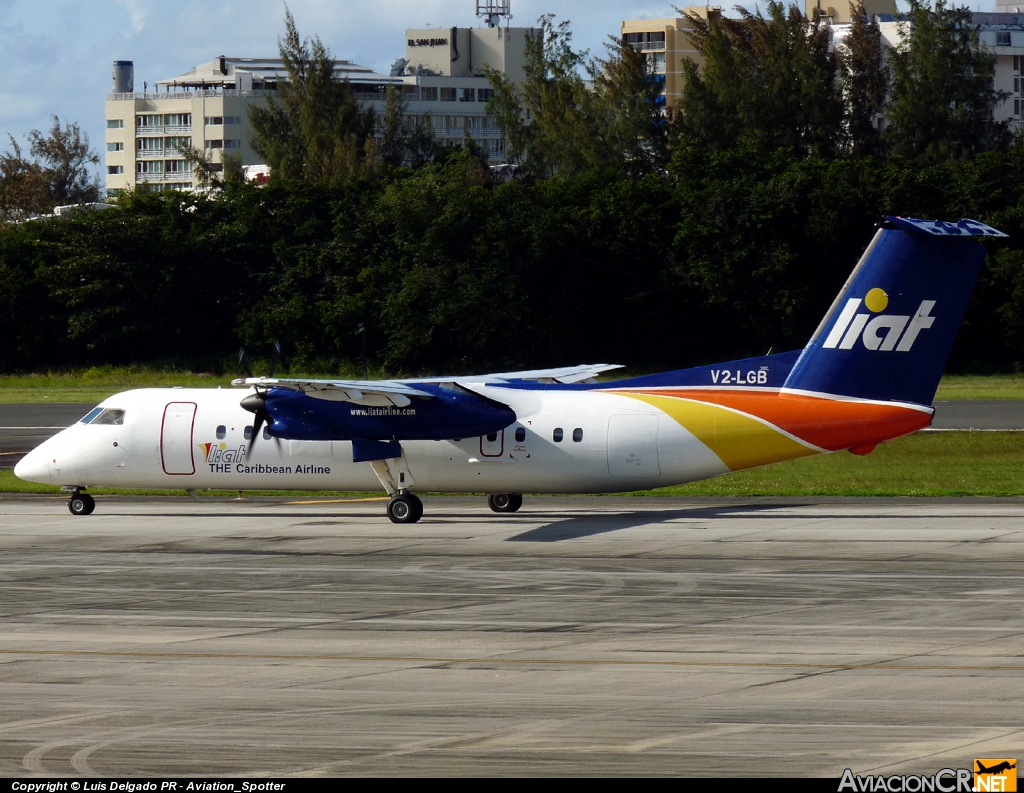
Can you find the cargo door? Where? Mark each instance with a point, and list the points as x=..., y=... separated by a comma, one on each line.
x=633, y=445
x=176, y=438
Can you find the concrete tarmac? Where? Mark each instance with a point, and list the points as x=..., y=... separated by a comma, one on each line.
x=580, y=636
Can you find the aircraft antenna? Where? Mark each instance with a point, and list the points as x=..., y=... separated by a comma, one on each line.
x=493, y=10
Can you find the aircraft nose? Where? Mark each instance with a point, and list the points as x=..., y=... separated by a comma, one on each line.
x=33, y=468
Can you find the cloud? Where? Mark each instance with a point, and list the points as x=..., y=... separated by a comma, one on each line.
x=137, y=14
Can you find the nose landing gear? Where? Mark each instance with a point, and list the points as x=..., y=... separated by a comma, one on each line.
x=505, y=502
x=81, y=504
x=405, y=508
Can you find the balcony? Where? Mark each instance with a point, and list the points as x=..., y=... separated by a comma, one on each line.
x=209, y=93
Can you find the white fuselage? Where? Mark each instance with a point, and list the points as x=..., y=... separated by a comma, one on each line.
x=169, y=439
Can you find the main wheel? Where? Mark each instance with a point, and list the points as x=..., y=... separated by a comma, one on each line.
x=505, y=502
x=81, y=504
x=405, y=508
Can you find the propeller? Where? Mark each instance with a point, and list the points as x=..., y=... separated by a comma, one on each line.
x=256, y=403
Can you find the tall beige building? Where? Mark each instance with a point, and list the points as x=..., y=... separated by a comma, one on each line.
x=442, y=80
x=666, y=44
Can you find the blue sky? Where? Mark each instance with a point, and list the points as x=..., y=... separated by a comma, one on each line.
x=55, y=55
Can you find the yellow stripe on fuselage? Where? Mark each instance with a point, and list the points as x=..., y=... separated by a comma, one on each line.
x=739, y=440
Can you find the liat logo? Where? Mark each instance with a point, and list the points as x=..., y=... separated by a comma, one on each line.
x=885, y=332
x=220, y=453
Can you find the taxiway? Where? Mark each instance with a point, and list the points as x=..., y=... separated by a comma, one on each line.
x=580, y=636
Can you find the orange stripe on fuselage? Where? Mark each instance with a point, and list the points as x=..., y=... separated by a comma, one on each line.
x=831, y=424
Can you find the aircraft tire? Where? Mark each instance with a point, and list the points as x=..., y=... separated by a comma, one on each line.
x=505, y=502
x=81, y=504
x=405, y=508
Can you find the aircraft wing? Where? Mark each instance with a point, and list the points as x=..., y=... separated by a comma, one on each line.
x=562, y=374
x=376, y=393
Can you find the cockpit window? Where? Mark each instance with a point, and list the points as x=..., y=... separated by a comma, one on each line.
x=109, y=416
x=91, y=415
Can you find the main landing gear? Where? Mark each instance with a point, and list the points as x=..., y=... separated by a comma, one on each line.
x=405, y=508
x=505, y=502
x=81, y=503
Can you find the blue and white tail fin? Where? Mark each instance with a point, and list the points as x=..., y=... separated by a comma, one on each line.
x=889, y=332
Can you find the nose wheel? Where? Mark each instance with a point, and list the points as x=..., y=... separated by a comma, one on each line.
x=405, y=508
x=81, y=504
x=505, y=502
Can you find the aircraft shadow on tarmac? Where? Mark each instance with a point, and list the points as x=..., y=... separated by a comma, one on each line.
x=589, y=525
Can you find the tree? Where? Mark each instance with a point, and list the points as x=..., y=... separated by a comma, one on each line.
x=772, y=79
x=65, y=156
x=866, y=77
x=942, y=97
x=315, y=129
x=556, y=125
x=22, y=185
x=58, y=174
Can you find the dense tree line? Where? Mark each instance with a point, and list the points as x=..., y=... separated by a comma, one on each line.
x=632, y=237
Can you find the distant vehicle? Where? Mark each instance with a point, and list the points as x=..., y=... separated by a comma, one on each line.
x=867, y=375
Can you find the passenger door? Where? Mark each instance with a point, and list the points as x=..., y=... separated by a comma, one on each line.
x=176, y=453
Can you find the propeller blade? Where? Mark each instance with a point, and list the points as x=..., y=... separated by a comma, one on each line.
x=257, y=425
x=243, y=361
x=275, y=358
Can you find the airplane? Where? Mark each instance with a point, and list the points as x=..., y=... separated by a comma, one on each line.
x=996, y=769
x=867, y=375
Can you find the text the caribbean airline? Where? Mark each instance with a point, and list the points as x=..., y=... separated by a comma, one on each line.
x=867, y=375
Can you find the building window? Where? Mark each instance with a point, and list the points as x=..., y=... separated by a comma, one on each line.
x=178, y=186
x=467, y=94
x=112, y=169
x=149, y=121
x=556, y=436
x=1016, y=68
x=448, y=95
x=178, y=143
x=232, y=121
x=1002, y=38
x=178, y=119
x=115, y=147
x=232, y=144
x=149, y=144
x=115, y=123
x=178, y=166
x=659, y=61
x=645, y=41
x=149, y=166
x=214, y=121
x=484, y=94
x=1016, y=107
x=428, y=94
x=215, y=144
x=577, y=435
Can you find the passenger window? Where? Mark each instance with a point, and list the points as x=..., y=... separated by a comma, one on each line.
x=520, y=434
x=577, y=434
x=266, y=433
x=557, y=435
x=221, y=432
x=109, y=416
x=248, y=433
x=492, y=437
x=91, y=415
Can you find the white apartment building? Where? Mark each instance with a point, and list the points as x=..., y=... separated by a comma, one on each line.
x=442, y=81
